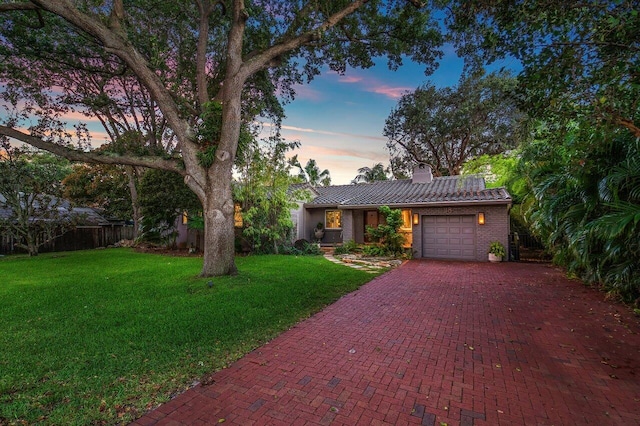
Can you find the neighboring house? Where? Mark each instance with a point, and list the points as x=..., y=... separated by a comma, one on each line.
x=91, y=229
x=452, y=217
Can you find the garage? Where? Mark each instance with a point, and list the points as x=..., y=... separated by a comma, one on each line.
x=449, y=237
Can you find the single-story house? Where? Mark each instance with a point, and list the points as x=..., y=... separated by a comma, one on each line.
x=451, y=217
x=91, y=228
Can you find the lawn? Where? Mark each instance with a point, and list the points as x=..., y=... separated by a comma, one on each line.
x=102, y=336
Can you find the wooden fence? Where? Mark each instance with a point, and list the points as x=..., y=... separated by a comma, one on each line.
x=80, y=238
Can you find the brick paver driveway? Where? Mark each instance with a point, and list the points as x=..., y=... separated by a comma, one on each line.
x=437, y=343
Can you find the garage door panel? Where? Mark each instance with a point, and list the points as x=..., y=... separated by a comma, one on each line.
x=449, y=237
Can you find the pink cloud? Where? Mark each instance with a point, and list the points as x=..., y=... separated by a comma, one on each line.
x=305, y=92
x=337, y=152
x=374, y=85
x=390, y=92
x=329, y=133
x=349, y=79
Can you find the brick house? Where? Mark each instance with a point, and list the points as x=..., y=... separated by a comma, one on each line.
x=452, y=217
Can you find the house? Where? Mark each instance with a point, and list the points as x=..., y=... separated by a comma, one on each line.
x=451, y=217
x=90, y=228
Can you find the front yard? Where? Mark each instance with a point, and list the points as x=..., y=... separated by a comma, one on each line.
x=102, y=336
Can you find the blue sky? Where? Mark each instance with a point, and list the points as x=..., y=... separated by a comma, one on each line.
x=339, y=119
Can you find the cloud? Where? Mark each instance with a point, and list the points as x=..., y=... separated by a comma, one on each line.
x=305, y=92
x=390, y=92
x=374, y=85
x=337, y=152
x=349, y=79
x=327, y=132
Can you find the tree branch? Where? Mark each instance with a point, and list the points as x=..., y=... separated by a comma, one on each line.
x=8, y=7
x=116, y=43
x=266, y=57
x=205, y=8
x=91, y=157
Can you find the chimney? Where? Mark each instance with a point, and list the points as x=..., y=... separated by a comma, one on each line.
x=422, y=174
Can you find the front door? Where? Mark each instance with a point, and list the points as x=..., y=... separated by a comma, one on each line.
x=370, y=219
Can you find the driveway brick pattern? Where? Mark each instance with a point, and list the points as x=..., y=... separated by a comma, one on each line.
x=434, y=343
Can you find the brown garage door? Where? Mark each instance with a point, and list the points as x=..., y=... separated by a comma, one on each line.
x=449, y=237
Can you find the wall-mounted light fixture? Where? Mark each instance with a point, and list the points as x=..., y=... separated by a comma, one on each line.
x=481, y=218
x=416, y=219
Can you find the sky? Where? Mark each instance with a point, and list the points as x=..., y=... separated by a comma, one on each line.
x=339, y=119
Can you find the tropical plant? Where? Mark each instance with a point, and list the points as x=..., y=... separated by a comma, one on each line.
x=585, y=205
x=371, y=174
x=311, y=173
x=496, y=248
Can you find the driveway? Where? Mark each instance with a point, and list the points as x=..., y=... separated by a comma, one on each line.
x=435, y=343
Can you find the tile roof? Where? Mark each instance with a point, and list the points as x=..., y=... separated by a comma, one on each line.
x=87, y=216
x=400, y=192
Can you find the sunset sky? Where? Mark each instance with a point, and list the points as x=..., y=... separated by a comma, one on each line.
x=339, y=119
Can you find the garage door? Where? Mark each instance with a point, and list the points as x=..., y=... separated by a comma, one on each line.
x=449, y=237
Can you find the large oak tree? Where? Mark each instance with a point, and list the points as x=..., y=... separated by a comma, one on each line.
x=189, y=76
x=444, y=127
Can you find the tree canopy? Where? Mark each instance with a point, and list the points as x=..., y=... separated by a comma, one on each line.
x=579, y=58
x=311, y=173
x=371, y=174
x=32, y=211
x=444, y=127
x=188, y=77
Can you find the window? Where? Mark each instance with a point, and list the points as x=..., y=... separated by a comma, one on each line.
x=185, y=218
x=333, y=219
x=406, y=219
x=237, y=216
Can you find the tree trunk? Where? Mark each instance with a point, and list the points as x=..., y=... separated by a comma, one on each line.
x=219, y=244
x=132, y=174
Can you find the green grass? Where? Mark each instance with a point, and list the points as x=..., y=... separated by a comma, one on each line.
x=102, y=336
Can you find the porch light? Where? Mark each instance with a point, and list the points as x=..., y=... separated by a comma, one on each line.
x=481, y=218
x=416, y=219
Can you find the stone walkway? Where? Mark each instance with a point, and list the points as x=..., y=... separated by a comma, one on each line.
x=437, y=343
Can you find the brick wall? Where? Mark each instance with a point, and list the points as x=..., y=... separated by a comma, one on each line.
x=496, y=227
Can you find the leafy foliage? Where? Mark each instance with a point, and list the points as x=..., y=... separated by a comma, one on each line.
x=31, y=208
x=580, y=58
x=163, y=197
x=386, y=235
x=496, y=248
x=100, y=186
x=265, y=195
x=311, y=173
x=371, y=174
x=585, y=205
x=446, y=127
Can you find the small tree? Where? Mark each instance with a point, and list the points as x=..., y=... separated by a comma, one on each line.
x=264, y=192
x=387, y=235
x=33, y=212
x=163, y=197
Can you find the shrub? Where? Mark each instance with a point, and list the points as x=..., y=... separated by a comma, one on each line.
x=347, y=248
x=387, y=236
